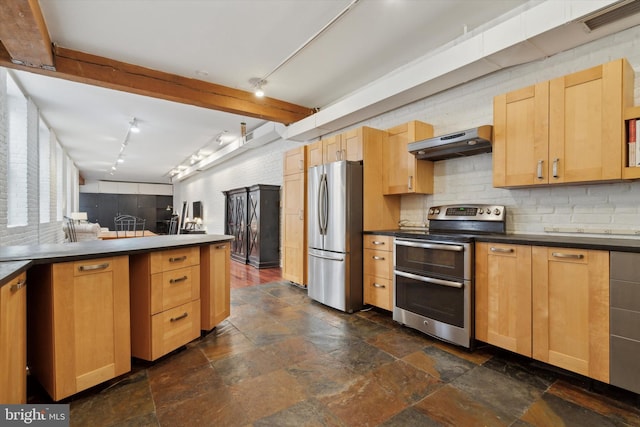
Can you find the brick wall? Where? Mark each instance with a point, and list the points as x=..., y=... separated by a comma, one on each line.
x=593, y=208
x=34, y=231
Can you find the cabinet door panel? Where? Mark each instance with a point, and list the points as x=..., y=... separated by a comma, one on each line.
x=13, y=337
x=521, y=136
x=503, y=296
x=571, y=310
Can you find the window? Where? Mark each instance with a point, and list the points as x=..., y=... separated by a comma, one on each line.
x=17, y=158
x=44, y=153
x=61, y=200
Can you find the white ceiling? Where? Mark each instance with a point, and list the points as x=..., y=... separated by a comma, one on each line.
x=229, y=42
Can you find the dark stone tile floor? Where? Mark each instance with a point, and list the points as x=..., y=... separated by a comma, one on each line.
x=284, y=360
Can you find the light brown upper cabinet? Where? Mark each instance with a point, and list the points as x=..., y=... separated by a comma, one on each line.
x=402, y=172
x=567, y=130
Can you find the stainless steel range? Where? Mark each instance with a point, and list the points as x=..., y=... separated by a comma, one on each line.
x=433, y=271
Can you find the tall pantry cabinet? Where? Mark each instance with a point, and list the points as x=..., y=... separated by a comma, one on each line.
x=294, y=221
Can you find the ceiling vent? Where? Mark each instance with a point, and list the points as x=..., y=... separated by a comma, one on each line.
x=608, y=15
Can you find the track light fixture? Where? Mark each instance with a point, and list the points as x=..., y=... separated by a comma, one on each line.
x=133, y=126
x=257, y=84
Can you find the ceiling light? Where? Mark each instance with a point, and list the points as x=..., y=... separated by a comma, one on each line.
x=257, y=84
x=120, y=160
x=134, y=126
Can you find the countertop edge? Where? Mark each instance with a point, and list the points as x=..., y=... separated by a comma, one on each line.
x=11, y=269
x=578, y=242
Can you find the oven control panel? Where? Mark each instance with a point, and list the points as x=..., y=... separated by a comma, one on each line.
x=467, y=213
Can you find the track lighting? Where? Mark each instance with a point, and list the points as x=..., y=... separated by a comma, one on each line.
x=257, y=84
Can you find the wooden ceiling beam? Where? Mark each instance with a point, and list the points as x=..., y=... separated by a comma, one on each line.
x=24, y=34
x=108, y=73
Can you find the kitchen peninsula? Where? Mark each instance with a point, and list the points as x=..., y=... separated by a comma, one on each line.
x=88, y=304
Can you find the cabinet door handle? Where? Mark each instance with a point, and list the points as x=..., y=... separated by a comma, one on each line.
x=93, y=267
x=301, y=214
x=539, y=169
x=571, y=256
x=377, y=242
x=178, y=280
x=16, y=287
x=378, y=258
x=301, y=164
x=555, y=167
x=378, y=285
x=343, y=154
x=178, y=259
x=182, y=316
x=410, y=182
x=221, y=246
x=337, y=154
x=502, y=250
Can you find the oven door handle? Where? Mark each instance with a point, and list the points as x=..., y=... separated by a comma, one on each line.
x=430, y=280
x=414, y=244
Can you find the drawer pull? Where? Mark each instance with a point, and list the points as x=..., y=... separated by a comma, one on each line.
x=178, y=259
x=179, y=279
x=377, y=242
x=93, y=267
x=378, y=285
x=182, y=316
x=561, y=255
x=221, y=246
x=502, y=250
x=18, y=286
x=378, y=258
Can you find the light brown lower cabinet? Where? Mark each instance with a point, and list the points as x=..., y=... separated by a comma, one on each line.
x=378, y=271
x=165, y=301
x=13, y=341
x=215, y=295
x=548, y=303
x=78, y=324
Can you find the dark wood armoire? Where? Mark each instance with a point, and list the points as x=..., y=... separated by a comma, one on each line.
x=253, y=218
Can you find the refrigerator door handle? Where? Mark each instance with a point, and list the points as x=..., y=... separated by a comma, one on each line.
x=326, y=257
x=323, y=204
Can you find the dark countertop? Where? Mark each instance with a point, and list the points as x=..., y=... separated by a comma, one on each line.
x=15, y=259
x=10, y=269
x=578, y=242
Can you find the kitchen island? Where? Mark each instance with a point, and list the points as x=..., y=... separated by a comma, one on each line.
x=86, y=309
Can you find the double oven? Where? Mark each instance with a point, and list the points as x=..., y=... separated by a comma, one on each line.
x=434, y=271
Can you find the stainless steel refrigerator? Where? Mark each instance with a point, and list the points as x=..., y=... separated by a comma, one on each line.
x=335, y=235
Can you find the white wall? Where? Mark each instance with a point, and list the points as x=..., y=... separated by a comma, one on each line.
x=594, y=208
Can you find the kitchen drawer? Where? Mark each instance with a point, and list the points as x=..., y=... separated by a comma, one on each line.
x=93, y=266
x=174, y=258
x=175, y=287
x=625, y=266
x=625, y=365
x=625, y=323
x=378, y=292
x=383, y=243
x=378, y=263
x=174, y=328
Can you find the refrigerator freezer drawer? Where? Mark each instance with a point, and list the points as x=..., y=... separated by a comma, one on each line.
x=327, y=278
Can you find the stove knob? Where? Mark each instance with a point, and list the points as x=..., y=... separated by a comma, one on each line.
x=430, y=211
x=496, y=211
x=480, y=211
x=437, y=211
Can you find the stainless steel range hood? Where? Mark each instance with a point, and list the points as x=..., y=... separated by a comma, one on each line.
x=453, y=145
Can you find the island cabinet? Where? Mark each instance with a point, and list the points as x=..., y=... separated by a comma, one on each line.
x=548, y=303
x=215, y=295
x=165, y=301
x=566, y=130
x=378, y=271
x=402, y=172
x=294, y=220
x=13, y=340
x=503, y=296
x=78, y=323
